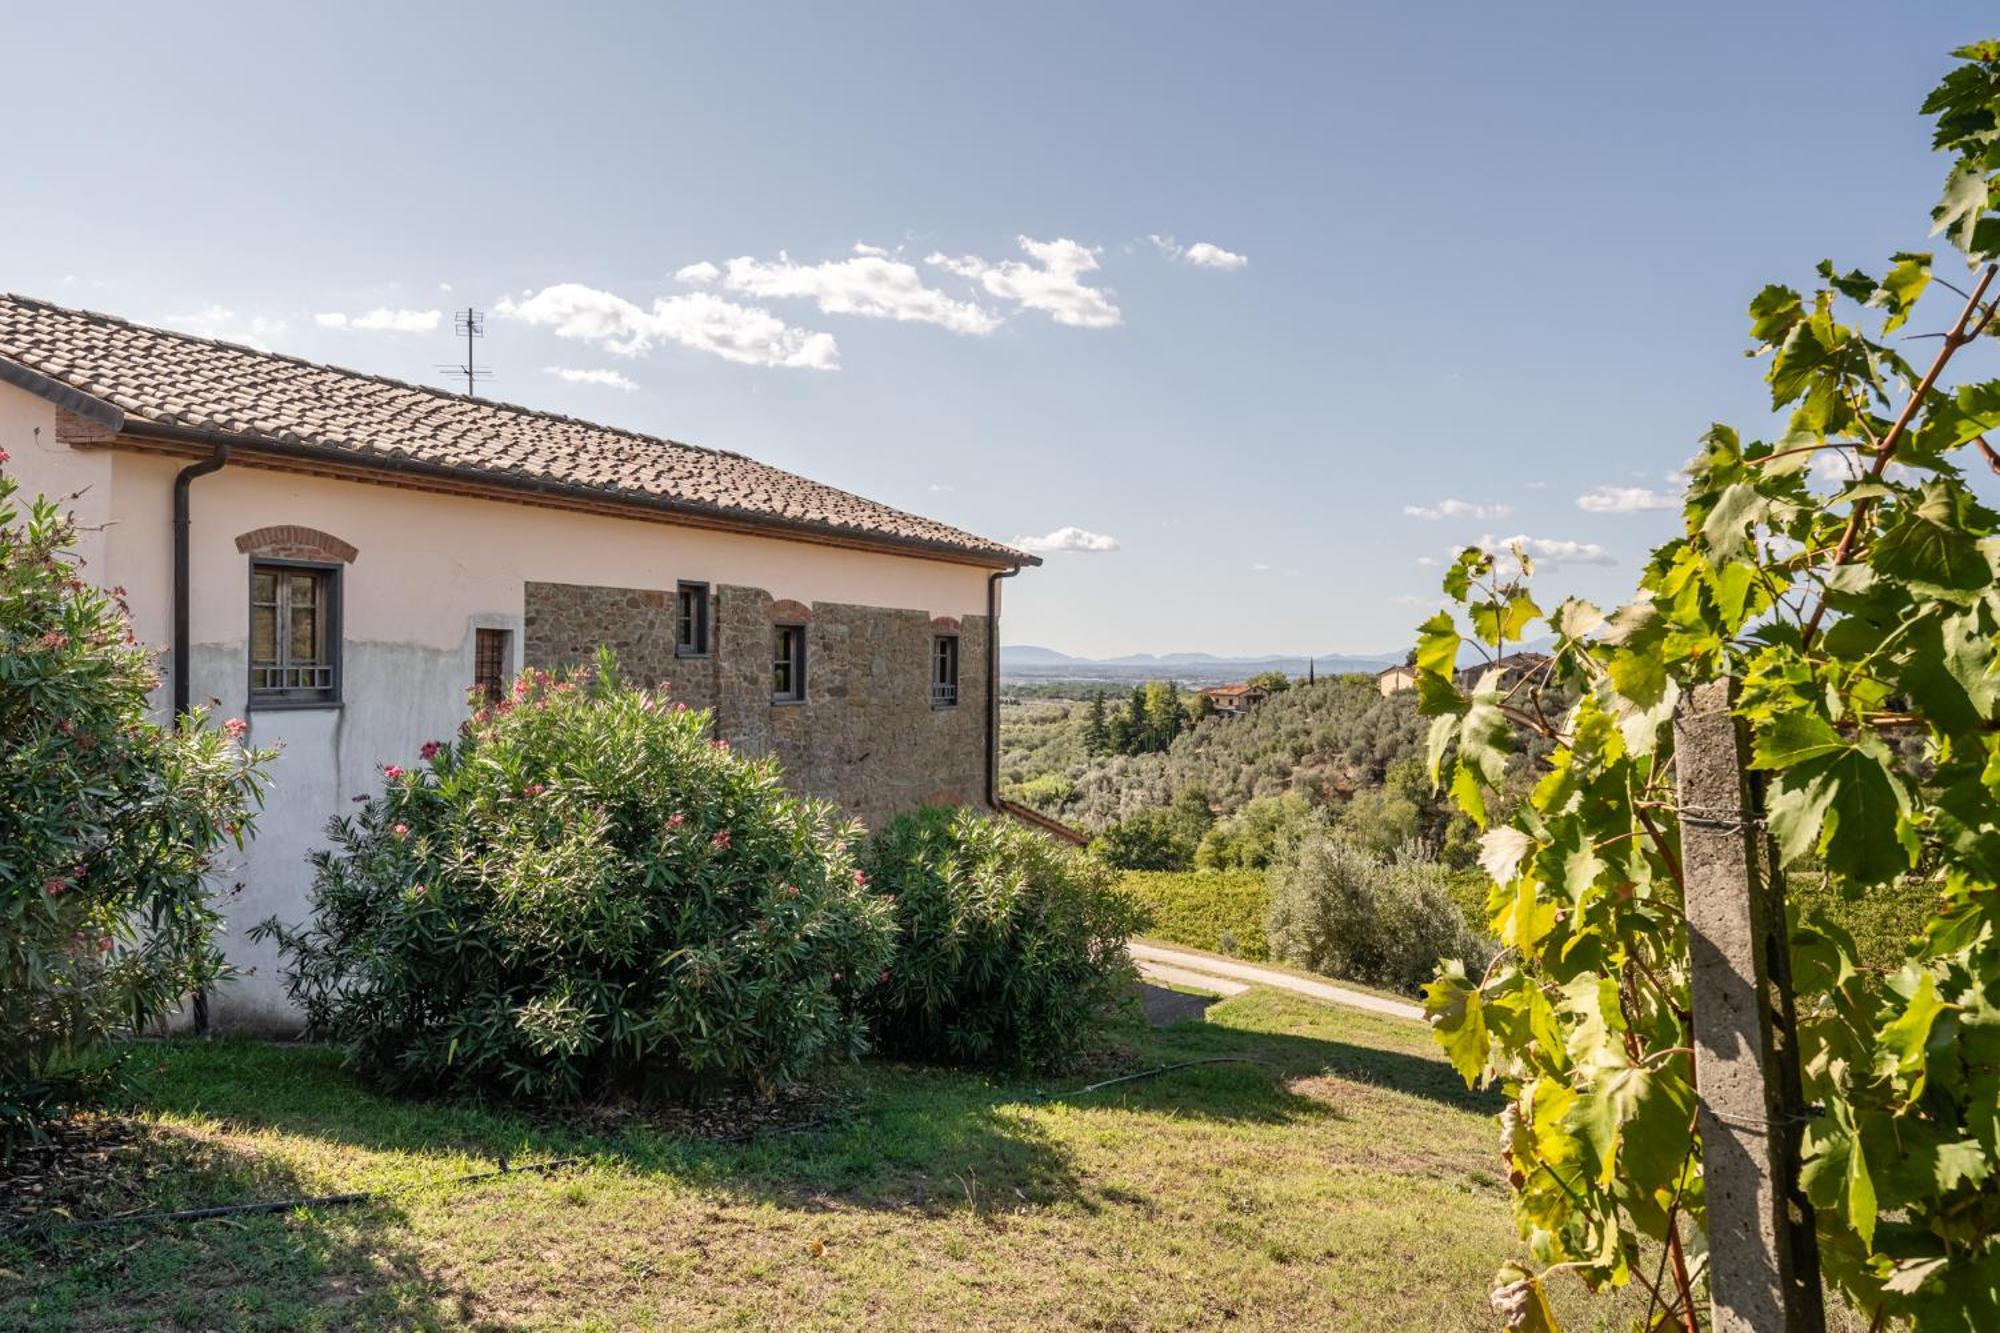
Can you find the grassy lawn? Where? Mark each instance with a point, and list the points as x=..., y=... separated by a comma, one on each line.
x=1344, y=1182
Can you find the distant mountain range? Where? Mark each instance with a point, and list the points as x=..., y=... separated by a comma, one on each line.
x=1028, y=662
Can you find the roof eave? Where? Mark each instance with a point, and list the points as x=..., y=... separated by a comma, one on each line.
x=530, y=487
x=67, y=397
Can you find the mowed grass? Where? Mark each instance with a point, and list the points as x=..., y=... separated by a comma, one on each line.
x=1346, y=1180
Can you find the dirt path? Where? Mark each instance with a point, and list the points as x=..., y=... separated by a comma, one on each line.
x=1226, y=977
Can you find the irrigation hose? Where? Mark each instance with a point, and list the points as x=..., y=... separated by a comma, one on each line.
x=543, y=1168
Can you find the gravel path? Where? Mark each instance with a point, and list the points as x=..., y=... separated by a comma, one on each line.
x=1227, y=977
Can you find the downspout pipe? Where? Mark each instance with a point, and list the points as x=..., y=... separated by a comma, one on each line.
x=993, y=684
x=184, y=479
x=182, y=652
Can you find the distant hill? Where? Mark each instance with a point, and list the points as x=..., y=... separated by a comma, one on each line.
x=1026, y=662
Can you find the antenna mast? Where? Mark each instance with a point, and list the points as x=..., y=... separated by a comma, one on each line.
x=469, y=324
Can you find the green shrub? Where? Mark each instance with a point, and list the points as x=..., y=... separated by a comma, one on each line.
x=1338, y=910
x=1251, y=838
x=108, y=828
x=586, y=894
x=1222, y=911
x=1009, y=946
x=1150, y=839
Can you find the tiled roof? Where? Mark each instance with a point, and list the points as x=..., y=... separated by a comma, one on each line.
x=156, y=377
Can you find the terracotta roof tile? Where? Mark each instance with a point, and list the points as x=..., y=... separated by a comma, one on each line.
x=159, y=377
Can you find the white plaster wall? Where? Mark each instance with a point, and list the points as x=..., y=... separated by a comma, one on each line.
x=430, y=568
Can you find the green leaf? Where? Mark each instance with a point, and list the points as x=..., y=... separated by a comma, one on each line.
x=1903, y=287
x=1900, y=1050
x=1793, y=738
x=1849, y=806
x=1773, y=312
x=1727, y=527
x=1452, y=1004
x=1965, y=200
x=1437, y=645
x=1860, y=1194
x=1501, y=851
x=1930, y=543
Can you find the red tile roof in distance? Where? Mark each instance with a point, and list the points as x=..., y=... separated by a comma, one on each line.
x=179, y=383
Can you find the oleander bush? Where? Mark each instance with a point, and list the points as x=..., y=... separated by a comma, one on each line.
x=1010, y=947
x=586, y=894
x=1222, y=911
x=108, y=831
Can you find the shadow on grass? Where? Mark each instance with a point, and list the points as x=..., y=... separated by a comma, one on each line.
x=304, y=1268
x=879, y=1135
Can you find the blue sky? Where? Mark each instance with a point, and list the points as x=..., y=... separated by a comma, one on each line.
x=1495, y=255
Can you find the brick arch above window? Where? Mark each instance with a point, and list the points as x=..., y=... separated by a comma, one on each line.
x=790, y=612
x=290, y=541
x=944, y=624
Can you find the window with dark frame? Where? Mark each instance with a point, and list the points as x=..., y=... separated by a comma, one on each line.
x=944, y=671
x=489, y=663
x=294, y=634
x=788, y=664
x=691, y=621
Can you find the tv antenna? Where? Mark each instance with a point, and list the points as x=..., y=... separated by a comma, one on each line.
x=469, y=324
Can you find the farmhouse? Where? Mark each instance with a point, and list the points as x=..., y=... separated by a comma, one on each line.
x=339, y=558
x=1235, y=700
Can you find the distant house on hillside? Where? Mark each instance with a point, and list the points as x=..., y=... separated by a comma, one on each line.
x=1396, y=679
x=1514, y=667
x=1235, y=700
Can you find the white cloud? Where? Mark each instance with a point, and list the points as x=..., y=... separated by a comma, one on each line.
x=1260, y=567
x=871, y=284
x=1203, y=254
x=610, y=379
x=939, y=488
x=1426, y=560
x=701, y=320
x=382, y=320
x=1458, y=509
x=1626, y=500
x=444, y=287
x=697, y=274
x=1053, y=284
x=220, y=322
x=1838, y=467
x=1547, y=553
x=1067, y=539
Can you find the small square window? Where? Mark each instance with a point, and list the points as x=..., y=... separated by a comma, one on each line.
x=294, y=634
x=490, y=652
x=691, y=621
x=944, y=671
x=788, y=664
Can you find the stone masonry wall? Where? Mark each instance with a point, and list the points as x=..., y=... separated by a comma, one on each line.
x=866, y=736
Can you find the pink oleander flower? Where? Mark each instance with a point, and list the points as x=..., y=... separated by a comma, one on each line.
x=676, y=819
x=860, y=879
x=521, y=687
x=533, y=789
x=429, y=750
x=720, y=842
x=401, y=830
x=237, y=728
x=680, y=707
x=229, y=829
x=55, y=885
x=4, y=455
x=55, y=638
x=104, y=944
x=717, y=743
x=391, y=772
x=419, y=890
